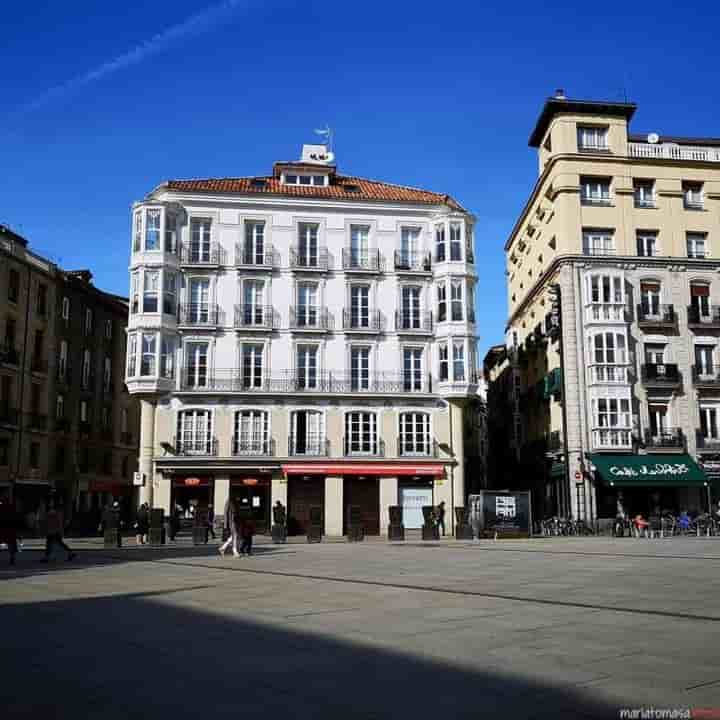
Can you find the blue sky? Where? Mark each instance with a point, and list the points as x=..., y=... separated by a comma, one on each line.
x=101, y=102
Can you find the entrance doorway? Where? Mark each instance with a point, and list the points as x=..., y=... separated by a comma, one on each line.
x=365, y=493
x=253, y=493
x=188, y=495
x=304, y=492
x=412, y=498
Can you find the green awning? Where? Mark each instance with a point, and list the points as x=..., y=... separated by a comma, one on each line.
x=649, y=470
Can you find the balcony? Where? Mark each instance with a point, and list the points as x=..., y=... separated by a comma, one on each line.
x=196, y=446
x=417, y=447
x=9, y=354
x=368, y=261
x=9, y=416
x=663, y=375
x=664, y=439
x=609, y=374
x=671, y=151
x=706, y=376
x=250, y=257
x=253, y=447
x=371, y=321
x=698, y=320
x=413, y=262
x=705, y=443
x=308, y=446
x=36, y=421
x=612, y=439
x=317, y=259
x=311, y=318
x=198, y=315
x=363, y=446
x=414, y=323
x=205, y=255
x=311, y=383
x=254, y=317
x=658, y=317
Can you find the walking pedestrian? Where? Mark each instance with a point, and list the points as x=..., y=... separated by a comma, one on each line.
x=232, y=526
x=211, y=521
x=142, y=524
x=9, y=522
x=247, y=530
x=441, y=516
x=54, y=529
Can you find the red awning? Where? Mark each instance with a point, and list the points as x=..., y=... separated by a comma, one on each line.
x=435, y=470
x=191, y=481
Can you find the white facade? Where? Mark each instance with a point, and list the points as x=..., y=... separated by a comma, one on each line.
x=269, y=327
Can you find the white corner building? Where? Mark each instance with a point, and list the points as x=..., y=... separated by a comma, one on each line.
x=305, y=337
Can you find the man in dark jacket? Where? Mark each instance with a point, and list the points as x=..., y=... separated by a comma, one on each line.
x=9, y=525
x=247, y=530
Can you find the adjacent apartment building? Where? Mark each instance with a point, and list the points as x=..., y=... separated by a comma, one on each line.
x=307, y=337
x=609, y=377
x=66, y=419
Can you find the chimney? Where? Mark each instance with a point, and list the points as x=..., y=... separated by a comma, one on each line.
x=560, y=94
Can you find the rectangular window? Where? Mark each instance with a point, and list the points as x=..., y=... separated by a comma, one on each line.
x=456, y=300
x=152, y=230
x=710, y=422
x=595, y=191
x=412, y=369
x=414, y=434
x=137, y=233
x=644, y=192
x=410, y=308
x=151, y=291
x=459, y=361
x=167, y=357
x=171, y=244
x=197, y=365
x=65, y=310
x=308, y=254
x=692, y=195
x=442, y=302
x=591, y=138
x=13, y=285
x=647, y=245
x=655, y=354
x=440, y=249
x=307, y=433
x=307, y=366
x=704, y=365
x=361, y=433
x=107, y=372
x=86, y=368
x=307, y=305
x=251, y=433
x=60, y=407
x=194, y=433
x=359, y=368
x=124, y=420
x=132, y=355
x=252, y=365
x=108, y=329
x=254, y=248
x=455, y=241
x=199, y=308
x=84, y=414
x=149, y=351
x=200, y=229
x=409, y=247
x=598, y=242
x=105, y=418
x=443, y=370
x=88, y=321
x=42, y=300
x=134, y=292
x=253, y=309
x=650, y=293
x=359, y=306
x=170, y=293
x=359, y=246
x=696, y=245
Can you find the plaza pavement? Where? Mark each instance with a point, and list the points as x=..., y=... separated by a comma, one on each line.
x=544, y=628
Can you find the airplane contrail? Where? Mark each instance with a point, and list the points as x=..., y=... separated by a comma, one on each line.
x=193, y=25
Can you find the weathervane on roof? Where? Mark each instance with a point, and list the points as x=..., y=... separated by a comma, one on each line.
x=327, y=134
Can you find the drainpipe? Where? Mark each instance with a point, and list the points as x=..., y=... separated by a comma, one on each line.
x=22, y=385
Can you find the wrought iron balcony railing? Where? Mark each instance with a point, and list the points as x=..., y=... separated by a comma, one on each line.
x=202, y=254
x=363, y=446
x=309, y=258
x=409, y=261
x=306, y=317
x=259, y=317
x=253, y=446
x=362, y=260
x=363, y=321
x=709, y=319
x=199, y=315
x=708, y=439
x=249, y=255
x=664, y=438
x=656, y=315
x=413, y=322
x=665, y=374
x=196, y=446
x=308, y=445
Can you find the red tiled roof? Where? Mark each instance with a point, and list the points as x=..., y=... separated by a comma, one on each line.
x=341, y=188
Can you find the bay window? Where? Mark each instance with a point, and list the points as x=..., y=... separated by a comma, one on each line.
x=612, y=426
x=132, y=355
x=440, y=252
x=134, y=292
x=456, y=300
x=137, y=231
x=148, y=350
x=151, y=290
x=171, y=243
x=455, y=241
x=167, y=357
x=170, y=293
x=609, y=358
x=442, y=302
x=443, y=362
x=152, y=229
x=458, y=360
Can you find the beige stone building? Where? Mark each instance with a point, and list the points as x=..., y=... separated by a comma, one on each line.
x=614, y=316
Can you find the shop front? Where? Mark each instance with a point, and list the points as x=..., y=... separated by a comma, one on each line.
x=371, y=487
x=649, y=484
x=252, y=492
x=189, y=494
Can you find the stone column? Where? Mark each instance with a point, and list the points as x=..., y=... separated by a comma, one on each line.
x=388, y=497
x=334, y=506
x=162, y=493
x=278, y=491
x=221, y=495
x=458, y=471
x=147, y=450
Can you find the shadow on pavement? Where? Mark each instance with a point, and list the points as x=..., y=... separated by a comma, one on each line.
x=144, y=655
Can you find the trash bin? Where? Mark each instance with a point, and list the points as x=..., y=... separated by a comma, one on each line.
x=396, y=529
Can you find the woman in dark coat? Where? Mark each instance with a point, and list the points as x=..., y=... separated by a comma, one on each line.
x=142, y=524
x=231, y=525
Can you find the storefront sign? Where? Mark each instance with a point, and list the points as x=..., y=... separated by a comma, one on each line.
x=654, y=469
x=249, y=481
x=192, y=481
